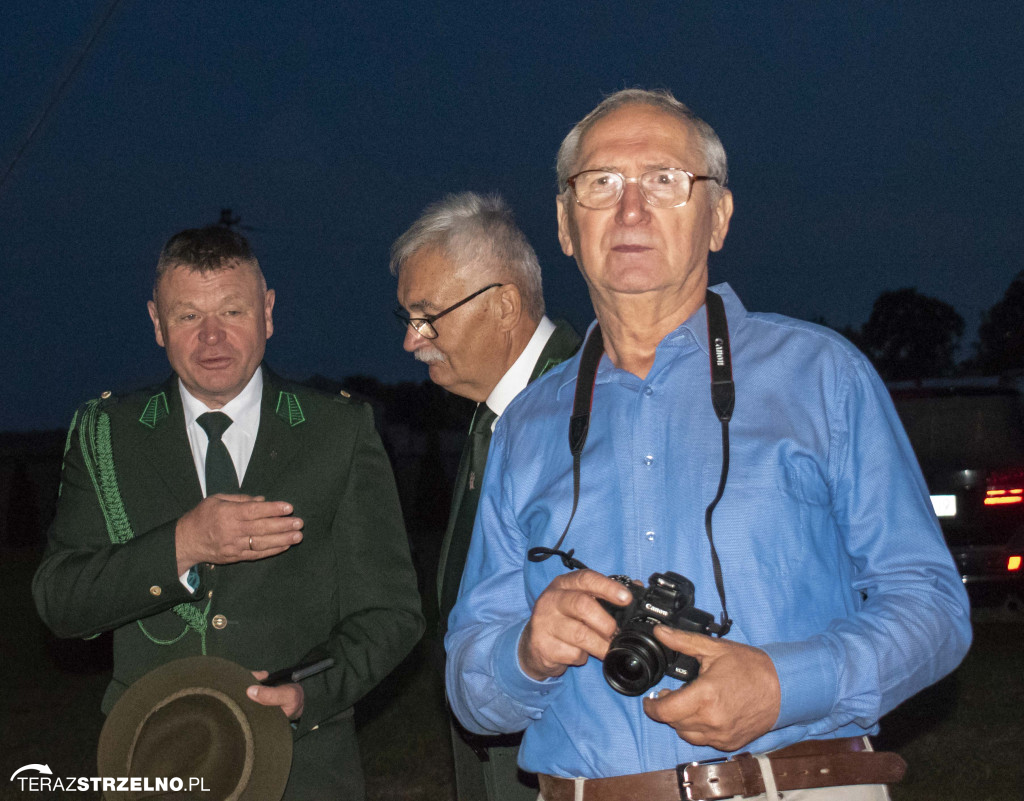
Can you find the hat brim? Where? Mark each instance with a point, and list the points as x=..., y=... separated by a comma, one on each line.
x=272, y=734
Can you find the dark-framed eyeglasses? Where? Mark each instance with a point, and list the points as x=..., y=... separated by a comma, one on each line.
x=664, y=188
x=424, y=326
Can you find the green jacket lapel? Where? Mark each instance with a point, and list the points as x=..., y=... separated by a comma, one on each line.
x=563, y=343
x=277, y=442
x=164, y=443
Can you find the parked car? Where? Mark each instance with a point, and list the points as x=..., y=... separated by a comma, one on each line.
x=968, y=434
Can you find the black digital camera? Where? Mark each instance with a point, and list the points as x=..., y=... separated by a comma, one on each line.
x=636, y=660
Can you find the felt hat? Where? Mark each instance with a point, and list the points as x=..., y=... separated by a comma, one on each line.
x=191, y=719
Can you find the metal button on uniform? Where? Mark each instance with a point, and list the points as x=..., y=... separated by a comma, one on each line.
x=209, y=594
x=650, y=536
x=648, y=392
x=649, y=460
x=155, y=590
x=219, y=621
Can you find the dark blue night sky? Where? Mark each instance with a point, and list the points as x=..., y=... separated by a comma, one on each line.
x=872, y=146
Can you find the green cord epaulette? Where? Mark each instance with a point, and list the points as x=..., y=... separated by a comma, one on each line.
x=289, y=409
x=98, y=454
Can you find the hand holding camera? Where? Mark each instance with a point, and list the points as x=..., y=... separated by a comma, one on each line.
x=568, y=625
x=662, y=633
x=735, y=700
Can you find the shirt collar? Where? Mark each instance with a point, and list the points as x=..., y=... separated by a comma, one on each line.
x=695, y=328
x=697, y=324
x=518, y=375
x=243, y=409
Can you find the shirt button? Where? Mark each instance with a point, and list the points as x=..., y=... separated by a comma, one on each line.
x=155, y=590
x=649, y=460
x=648, y=392
x=219, y=621
x=650, y=536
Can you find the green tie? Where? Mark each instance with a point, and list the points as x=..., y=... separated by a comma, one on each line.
x=470, y=474
x=220, y=470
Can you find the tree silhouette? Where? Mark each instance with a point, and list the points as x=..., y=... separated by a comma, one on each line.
x=1000, y=345
x=910, y=335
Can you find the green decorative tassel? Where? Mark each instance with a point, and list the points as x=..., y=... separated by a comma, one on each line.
x=98, y=454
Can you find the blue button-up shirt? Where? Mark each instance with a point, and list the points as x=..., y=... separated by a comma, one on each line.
x=832, y=557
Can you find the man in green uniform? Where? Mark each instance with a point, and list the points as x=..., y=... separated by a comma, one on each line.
x=296, y=553
x=466, y=261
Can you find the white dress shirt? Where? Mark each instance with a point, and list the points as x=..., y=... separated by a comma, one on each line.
x=518, y=375
x=239, y=438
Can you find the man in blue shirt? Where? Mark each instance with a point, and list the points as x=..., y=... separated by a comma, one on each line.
x=843, y=598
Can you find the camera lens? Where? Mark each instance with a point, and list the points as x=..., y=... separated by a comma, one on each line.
x=635, y=663
x=631, y=669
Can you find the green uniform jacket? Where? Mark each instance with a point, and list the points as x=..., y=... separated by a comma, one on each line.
x=497, y=778
x=561, y=345
x=348, y=590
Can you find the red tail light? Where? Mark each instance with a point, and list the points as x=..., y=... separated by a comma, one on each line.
x=1013, y=563
x=1005, y=487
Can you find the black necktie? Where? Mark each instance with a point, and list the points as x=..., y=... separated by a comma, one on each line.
x=476, y=460
x=479, y=444
x=220, y=470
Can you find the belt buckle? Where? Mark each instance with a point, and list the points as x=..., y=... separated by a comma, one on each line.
x=687, y=786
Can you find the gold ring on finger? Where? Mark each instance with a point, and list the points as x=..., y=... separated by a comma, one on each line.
x=250, y=542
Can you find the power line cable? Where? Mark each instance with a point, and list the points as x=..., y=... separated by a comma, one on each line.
x=51, y=104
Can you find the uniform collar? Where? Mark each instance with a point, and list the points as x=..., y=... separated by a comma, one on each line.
x=243, y=409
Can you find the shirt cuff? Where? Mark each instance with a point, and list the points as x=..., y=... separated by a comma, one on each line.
x=510, y=676
x=807, y=679
x=187, y=578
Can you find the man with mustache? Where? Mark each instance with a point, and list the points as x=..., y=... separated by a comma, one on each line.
x=469, y=286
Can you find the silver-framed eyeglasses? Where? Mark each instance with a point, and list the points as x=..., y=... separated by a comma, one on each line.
x=424, y=326
x=664, y=188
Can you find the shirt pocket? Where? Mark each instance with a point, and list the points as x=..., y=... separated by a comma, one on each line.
x=767, y=519
x=776, y=538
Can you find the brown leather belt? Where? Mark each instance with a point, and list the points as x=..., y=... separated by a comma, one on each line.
x=810, y=764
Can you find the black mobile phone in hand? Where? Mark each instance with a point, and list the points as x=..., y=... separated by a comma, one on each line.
x=296, y=673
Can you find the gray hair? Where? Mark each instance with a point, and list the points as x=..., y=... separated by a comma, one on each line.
x=476, y=232
x=710, y=145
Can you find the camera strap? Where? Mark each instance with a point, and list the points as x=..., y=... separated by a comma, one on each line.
x=723, y=399
x=579, y=427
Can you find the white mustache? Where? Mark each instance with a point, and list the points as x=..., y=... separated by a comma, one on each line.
x=428, y=356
